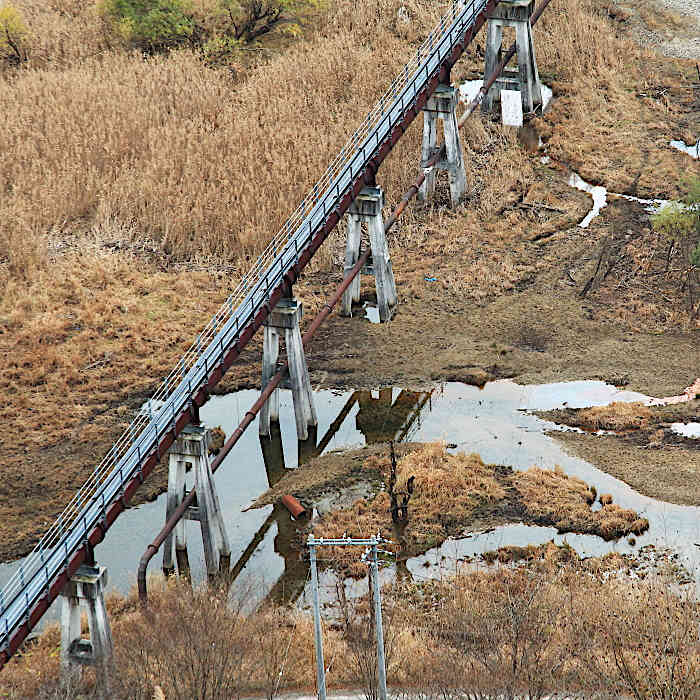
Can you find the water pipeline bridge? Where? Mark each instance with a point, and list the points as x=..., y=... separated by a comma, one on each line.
x=105, y=495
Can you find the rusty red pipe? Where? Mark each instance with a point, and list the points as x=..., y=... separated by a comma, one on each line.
x=293, y=505
x=318, y=320
x=238, y=432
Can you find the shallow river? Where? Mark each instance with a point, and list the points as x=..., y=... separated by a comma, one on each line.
x=494, y=421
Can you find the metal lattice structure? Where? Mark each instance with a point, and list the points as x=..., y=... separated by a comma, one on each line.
x=96, y=505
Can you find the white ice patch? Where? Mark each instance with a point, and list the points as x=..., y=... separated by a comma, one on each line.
x=693, y=150
x=598, y=193
x=469, y=89
x=690, y=430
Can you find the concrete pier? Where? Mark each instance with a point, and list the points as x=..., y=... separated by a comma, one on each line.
x=442, y=106
x=286, y=317
x=86, y=589
x=367, y=209
x=526, y=80
x=192, y=447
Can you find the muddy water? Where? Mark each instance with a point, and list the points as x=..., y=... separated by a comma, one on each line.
x=495, y=421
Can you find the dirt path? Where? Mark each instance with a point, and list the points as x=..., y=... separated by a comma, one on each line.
x=670, y=26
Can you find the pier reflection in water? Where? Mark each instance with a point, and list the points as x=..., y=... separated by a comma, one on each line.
x=380, y=416
x=497, y=422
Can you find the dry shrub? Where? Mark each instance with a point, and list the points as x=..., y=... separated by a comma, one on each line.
x=447, y=490
x=645, y=640
x=500, y=634
x=552, y=497
x=190, y=643
x=62, y=33
x=195, y=644
x=616, y=416
x=551, y=630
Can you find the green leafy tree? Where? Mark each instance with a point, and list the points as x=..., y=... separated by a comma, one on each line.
x=13, y=34
x=153, y=25
x=679, y=222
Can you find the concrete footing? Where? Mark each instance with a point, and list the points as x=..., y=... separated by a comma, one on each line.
x=442, y=106
x=526, y=80
x=367, y=209
x=86, y=589
x=285, y=317
x=192, y=447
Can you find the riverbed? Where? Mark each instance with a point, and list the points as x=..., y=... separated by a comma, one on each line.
x=497, y=421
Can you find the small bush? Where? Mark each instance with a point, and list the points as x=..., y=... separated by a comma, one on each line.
x=679, y=222
x=13, y=34
x=153, y=25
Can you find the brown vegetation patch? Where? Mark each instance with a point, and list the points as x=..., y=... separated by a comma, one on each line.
x=616, y=416
x=452, y=492
x=669, y=472
x=552, y=497
x=447, y=492
x=154, y=161
x=508, y=632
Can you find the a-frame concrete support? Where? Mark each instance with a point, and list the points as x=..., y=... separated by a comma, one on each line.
x=442, y=106
x=367, y=209
x=285, y=317
x=86, y=588
x=192, y=447
x=516, y=14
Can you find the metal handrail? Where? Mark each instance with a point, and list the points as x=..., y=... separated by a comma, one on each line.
x=124, y=459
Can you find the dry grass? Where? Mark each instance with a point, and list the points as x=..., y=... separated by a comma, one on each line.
x=549, y=625
x=552, y=497
x=615, y=416
x=167, y=159
x=447, y=491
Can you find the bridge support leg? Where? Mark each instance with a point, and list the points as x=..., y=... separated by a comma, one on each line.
x=86, y=587
x=192, y=446
x=176, y=492
x=367, y=209
x=442, y=105
x=286, y=317
x=516, y=14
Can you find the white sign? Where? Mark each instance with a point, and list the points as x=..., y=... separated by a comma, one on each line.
x=511, y=108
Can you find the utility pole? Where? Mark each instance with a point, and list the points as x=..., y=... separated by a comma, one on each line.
x=372, y=543
x=320, y=667
x=381, y=663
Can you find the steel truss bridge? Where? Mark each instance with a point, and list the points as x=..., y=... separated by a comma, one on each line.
x=104, y=496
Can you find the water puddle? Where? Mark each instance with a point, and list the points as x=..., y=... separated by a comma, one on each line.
x=600, y=196
x=693, y=150
x=690, y=430
x=497, y=422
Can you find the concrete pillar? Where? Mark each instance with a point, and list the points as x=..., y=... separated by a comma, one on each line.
x=516, y=14
x=442, y=106
x=192, y=446
x=286, y=317
x=367, y=209
x=86, y=587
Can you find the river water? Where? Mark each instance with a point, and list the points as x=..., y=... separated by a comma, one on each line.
x=496, y=421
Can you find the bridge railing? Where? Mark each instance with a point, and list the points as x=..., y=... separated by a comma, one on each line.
x=124, y=459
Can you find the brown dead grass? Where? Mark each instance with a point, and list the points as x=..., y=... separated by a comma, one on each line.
x=565, y=501
x=448, y=490
x=164, y=159
x=616, y=416
x=549, y=623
